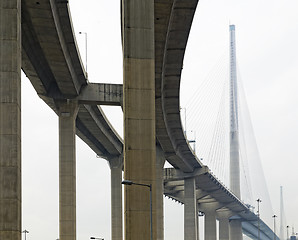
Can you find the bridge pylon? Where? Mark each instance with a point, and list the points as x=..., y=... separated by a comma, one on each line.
x=235, y=225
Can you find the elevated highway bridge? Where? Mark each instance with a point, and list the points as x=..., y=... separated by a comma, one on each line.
x=51, y=61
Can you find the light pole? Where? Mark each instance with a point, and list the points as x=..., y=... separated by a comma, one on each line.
x=288, y=232
x=85, y=48
x=127, y=182
x=25, y=231
x=259, y=201
x=184, y=118
x=274, y=216
x=96, y=238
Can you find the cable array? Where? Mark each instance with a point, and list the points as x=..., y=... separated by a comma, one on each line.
x=203, y=107
x=207, y=116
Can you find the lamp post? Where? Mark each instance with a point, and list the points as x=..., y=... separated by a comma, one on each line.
x=85, y=47
x=127, y=182
x=259, y=201
x=274, y=216
x=288, y=232
x=184, y=108
x=25, y=231
x=96, y=238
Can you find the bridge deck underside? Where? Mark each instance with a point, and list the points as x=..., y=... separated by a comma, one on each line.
x=172, y=26
x=210, y=191
x=51, y=61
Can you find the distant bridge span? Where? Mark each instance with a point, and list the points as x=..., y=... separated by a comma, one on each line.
x=51, y=60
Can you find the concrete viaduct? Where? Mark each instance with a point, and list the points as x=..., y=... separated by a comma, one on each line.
x=37, y=37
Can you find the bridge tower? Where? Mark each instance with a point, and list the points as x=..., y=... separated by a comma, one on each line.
x=235, y=225
x=234, y=131
x=282, y=216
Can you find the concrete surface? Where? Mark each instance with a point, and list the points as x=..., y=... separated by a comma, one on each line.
x=10, y=120
x=139, y=118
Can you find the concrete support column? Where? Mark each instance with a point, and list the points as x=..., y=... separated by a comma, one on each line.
x=160, y=161
x=236, y=230
x=139, y=117
x=67, y=170
x=10, y=120
x=210, y=225
x=190, y=210
x=224, y=233
x=224, y=224
x=116, y=197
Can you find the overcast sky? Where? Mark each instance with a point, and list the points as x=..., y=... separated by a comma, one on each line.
x=267, y=53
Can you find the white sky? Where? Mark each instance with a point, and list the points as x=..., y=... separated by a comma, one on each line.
x=267, y=53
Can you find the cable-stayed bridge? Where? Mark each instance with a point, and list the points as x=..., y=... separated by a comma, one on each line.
x=51, y=61
x=216, y=109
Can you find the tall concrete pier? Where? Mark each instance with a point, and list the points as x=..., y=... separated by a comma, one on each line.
x=224, y=233
x=10, y=120
x=224, y=224
x=190, y=210
x=159, y=189
x=67, y=170
x=210, y=224
x=139, y=117
x=116, y=198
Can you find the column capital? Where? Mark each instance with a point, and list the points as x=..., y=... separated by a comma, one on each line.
x=68, y=108
x=116, y=162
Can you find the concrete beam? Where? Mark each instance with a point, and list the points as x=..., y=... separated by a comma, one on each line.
x=92, y=94
x=176, y=189
x=201, y=194
x=210, y=206
x=102, y=94
x=176, y=174
x=10, y=120
x=178, y=196
x=207, y=200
